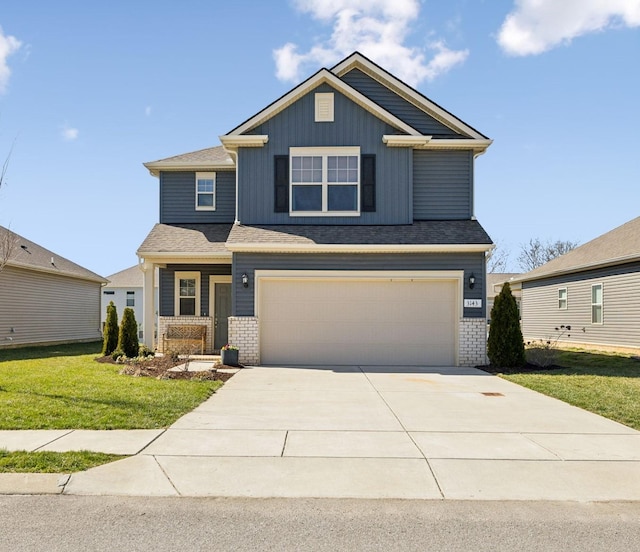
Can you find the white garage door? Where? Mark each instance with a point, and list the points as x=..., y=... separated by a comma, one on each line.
x=374, y=322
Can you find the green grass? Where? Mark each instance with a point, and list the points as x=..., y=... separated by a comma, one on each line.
x=52, y=462
x=603, y=383
x=62, y=387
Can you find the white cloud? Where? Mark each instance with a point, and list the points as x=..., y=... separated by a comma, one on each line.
x=535, y=26
x=69, y=133
x=8, y=45
x=376, y=28
x=147, y=110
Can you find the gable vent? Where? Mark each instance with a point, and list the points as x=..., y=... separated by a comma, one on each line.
x=324, y=107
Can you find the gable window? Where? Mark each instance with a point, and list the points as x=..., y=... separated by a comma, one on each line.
x=131, y=298
x=596, y=304
x=205, y=191
x=325, y=181
x=562, y=298
x=187, y=294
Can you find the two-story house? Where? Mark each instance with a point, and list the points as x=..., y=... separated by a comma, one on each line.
x=335, y=226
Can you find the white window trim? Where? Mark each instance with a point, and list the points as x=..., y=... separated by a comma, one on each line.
x=324, y=100
x=324, y=153
x=206, y=176
x=600, y=304
x=186, y=275
x=566, y=298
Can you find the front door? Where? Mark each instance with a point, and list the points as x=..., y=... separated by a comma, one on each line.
x=221, y=309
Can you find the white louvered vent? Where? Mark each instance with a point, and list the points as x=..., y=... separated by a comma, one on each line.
x=324, y=107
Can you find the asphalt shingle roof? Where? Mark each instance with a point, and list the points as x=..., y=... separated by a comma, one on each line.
x=28, y=254
x=186, y=238
x=204, y=157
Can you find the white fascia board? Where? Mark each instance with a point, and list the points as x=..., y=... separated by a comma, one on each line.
x=322, y=76
x=479, y=146
x=401, y=141
x=408, y=93
x=182, y=258
x=155, y=167
x=356, y=248
x=245, y=141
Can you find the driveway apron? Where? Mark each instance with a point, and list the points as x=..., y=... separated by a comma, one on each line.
x=380, y=432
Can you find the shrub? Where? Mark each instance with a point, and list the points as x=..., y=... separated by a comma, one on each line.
x=117, y=354
x=506, y=346
x=128, y=336
x=144, y=351
x=110, y=331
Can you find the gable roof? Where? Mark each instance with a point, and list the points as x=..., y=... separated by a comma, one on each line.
x=129, y=277
x=620, y=245
x=186, y=240
x=205, y=159
x=31, y=256
x=357, y=60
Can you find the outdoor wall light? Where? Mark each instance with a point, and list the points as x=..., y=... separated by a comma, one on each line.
x=472, y=281
x=245, y=280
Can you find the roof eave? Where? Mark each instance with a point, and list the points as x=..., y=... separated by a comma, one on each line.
x=275, y=247
x=88, y=277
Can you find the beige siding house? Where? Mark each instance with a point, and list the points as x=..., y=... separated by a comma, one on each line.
x=594, y=288
x=45, y=298
x=495, y=281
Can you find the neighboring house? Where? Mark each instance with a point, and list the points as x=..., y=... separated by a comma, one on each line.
x=335, y=226
x=594, y=288
x=44, y=298
x=125, y=289
x=495, y=280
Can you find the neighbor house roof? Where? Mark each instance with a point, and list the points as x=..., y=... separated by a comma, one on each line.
x=205, y=159
x=497, y=279
x=620, y=245
x=129, y=277
x=29, y=255
x=186, y=240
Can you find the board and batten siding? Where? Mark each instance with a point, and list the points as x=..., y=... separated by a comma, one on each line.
x=167, y=282
x=352, y=126
x=398, y=106
x=178, y=198
x=442, y=185
x=47, y=308
x=243, y=298
x=620, y=311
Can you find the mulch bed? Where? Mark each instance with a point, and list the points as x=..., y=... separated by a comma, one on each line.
x=159, y=368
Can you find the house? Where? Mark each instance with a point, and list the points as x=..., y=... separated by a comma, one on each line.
x=594, y=288
x=335, y=226
x=125, y=290
x=45, y=298
x=495, y=281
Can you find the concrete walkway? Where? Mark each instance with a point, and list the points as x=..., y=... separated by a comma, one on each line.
x=359, y=432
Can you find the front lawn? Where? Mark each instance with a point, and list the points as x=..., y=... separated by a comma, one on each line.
x=62, y=387
x=604, y=383
x=52, y=462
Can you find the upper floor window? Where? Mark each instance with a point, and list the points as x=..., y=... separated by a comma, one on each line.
x=131, y=298
x=596, y=304
x=325, y=181
x=187, y=294
x=562, y=298
x=205, y=191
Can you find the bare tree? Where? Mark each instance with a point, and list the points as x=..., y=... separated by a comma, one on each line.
x=535, y=253
x=8, y=245
x=5, y=166
x=497, y=259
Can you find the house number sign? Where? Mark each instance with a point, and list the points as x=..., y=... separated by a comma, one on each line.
x=473, y=303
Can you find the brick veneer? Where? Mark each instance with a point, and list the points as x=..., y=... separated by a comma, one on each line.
x=243, y=333
x=165, y=321
x=473, y=342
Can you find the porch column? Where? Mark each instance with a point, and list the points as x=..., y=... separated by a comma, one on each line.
x=149, y=303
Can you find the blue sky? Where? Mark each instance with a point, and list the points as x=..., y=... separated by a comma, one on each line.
x=91, y=90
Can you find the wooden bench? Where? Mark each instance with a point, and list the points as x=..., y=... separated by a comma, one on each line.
x=184, y=339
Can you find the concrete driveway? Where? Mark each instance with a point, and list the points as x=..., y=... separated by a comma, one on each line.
x=374, y=432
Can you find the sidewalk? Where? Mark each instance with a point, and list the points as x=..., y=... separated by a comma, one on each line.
x=365, y=432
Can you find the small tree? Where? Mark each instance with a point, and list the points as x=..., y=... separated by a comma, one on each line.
x=128, y=336
x=110, y=331
x=506, y=346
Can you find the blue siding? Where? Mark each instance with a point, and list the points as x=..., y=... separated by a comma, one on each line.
x=442, y=185
x=397, y=105
x=167, y=285
x=243, y=298
x=295, y=127
x=178, y=198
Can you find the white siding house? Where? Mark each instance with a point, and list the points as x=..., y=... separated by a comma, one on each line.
x=45, y=298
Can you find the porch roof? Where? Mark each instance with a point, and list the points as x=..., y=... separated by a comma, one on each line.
x=181, y=239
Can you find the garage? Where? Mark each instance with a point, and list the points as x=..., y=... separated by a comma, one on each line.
x=358, y=320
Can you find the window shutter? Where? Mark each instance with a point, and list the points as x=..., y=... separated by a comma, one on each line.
x=367, y=183
x=281, y=164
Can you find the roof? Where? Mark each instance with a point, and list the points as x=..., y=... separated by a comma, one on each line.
x=205, y=159
x=129, y=277
x=619, y=246
x=31, y=256
x=497, y=279
x=186, y=240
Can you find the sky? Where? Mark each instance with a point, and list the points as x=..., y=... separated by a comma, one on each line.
x=91, y=90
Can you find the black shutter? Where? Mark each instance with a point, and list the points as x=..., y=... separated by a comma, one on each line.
x=367, y=183
x=281, y=196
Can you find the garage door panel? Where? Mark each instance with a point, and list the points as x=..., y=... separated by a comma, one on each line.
x=338, y=321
